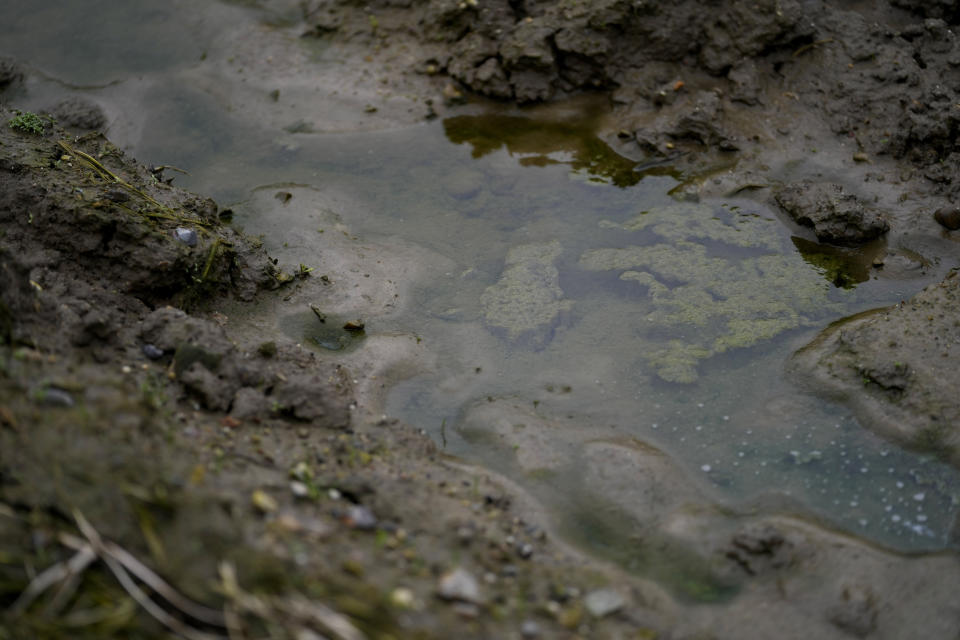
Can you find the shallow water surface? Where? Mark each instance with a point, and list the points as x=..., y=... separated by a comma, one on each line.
x=628, y=314
x=582, y=299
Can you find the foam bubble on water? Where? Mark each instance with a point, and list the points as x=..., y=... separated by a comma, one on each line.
x=919, y=496
x=706, y=468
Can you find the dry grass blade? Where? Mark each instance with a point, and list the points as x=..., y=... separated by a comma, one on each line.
x=151, y=579
x=320, y=617
x=297, y=612
x=51, y=576
x=109, y=176
x=109, y=552
x=210, y=259
x=92, y=162
x=115, y=617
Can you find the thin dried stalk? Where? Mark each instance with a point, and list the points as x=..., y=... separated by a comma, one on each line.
x=131, y=587
x=51, y=576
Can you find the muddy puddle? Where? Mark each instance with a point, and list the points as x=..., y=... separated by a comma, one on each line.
x=565, y=310
x=566, y=298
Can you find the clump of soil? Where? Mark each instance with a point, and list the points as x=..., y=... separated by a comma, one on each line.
x=837, y=217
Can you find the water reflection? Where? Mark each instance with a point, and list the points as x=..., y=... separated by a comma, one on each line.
x=539, y=143
x=844, y=267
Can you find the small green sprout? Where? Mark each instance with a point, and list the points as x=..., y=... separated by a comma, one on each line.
x=27, y=122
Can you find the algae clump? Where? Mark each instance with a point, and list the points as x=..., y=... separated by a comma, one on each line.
x=526, y=303
x=716, y=279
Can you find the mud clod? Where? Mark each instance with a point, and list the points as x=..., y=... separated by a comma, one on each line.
x=80, y=114
x=835, y=215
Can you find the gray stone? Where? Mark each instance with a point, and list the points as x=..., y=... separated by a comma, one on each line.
x=530, y=629
x=459, y=585
x=53, y=397
x=604, y=602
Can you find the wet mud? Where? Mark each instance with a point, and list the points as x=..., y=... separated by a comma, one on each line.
x=140, y=417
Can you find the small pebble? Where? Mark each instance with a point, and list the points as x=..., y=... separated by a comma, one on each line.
x=402, y=598
x=354, y=326
x=465, y=534
x=530, y=629
x=360, y=517
x=53, y=397
x=459, y=585
x=186, y=236
x=467, y=610
x=948, y=217
x=299, y=489
x=603, y=602
x=263, y=501
x=152, y=351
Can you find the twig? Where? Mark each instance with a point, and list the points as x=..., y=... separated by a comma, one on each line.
x=812, y=45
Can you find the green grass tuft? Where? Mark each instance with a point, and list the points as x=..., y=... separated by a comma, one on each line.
x=27, y=122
